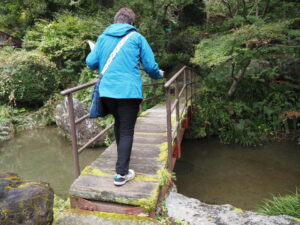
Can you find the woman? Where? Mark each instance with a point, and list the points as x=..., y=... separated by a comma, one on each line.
x=121, y=85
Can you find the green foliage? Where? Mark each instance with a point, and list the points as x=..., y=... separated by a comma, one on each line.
x=86, y=75
x=282, y=205
x=59, y=205
x=272, y=10
x=244, y=44
x=17, y=15
x=5, y=113
x=257, y=113
x=63, y=40
x=253, y=53
x=26, y=78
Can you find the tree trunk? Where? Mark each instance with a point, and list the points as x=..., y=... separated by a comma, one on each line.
x=257, y=8
x=266, y=9
x=237, y=78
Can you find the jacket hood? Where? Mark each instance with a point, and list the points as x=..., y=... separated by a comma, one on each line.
x=119, y=29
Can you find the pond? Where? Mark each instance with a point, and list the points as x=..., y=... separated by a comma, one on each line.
x=241, y=176
x=42, y=154
x=209, y=171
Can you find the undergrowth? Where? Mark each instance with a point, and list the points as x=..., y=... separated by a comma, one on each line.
x=282, y=205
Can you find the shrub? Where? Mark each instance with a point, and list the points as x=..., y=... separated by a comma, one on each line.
x=26, y=78
x=63, y=41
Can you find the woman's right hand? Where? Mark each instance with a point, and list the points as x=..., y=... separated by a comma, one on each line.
x=162, y=72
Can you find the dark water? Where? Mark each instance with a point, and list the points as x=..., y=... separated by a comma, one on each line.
x=241, y=176
x=44, y=155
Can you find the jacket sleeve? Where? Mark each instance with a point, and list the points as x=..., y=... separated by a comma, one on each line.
x=92, y=60
x=148, y=61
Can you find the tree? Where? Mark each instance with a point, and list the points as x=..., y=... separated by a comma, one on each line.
x=260, y=41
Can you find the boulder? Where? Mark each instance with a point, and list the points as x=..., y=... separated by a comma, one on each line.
x=6, y=131
x=86, y=129
x=180, y=207
x=28, y=203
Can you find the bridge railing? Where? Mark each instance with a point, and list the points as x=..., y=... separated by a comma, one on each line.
x=75, y=149
x=180, y=87
x=174, y=97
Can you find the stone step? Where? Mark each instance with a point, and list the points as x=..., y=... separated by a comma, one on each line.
x=101, y=188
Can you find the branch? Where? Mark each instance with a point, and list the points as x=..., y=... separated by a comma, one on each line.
x=257, y=8
x=287, y=46
x=232, y=69
x=237, y=78
x=225, y=2
x=245, y=10
x=266, y=9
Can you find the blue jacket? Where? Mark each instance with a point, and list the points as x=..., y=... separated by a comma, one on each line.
x=123, y=77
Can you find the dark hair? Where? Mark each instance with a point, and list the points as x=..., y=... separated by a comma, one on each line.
x=125, y=15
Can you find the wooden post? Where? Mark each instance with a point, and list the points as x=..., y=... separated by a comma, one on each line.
x=169, y=128
x=73, y=135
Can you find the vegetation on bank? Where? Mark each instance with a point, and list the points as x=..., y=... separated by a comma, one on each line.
x=282, y=205
x=250, y=61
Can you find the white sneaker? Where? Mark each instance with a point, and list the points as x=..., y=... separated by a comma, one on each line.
x=121, y=180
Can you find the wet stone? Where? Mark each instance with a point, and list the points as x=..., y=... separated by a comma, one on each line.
x=86, y=129
x=191, y=210
x=29, y=202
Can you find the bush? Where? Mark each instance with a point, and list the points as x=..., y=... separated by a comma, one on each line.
x=26, y=78
x=63, y=41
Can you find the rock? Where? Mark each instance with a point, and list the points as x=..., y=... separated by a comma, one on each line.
x=180, y=207
x=80, y=217
x=25, y=203
x=6, y=131
x=86, y=129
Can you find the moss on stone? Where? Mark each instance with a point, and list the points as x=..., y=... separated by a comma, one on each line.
x=143, y=113
x=238, y=210
x=146, y=133
x=163, y=156
x=59, y=205
x=90, y=170
x=149, y=204
x=165, y=177
x=294, y=218
x=110, y=216
x=146, y=178
x=28, y=184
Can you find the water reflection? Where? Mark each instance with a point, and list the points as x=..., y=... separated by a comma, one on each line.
x=220, y=174
x=43, y=154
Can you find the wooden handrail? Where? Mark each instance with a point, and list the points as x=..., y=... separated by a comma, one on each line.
x=78, y=88
x=74, y=122
x=173, y=78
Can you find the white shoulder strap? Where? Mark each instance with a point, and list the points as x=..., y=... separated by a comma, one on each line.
x=115, y=51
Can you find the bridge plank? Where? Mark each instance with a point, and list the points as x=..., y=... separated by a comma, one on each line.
x=142, y=166
x=102, y=188
x=138, y=150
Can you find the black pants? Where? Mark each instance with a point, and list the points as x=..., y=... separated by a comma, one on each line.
x=125, y=112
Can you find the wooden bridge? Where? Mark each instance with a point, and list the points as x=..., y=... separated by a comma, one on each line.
x=156, y=146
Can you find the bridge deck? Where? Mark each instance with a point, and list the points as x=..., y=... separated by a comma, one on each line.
x=148, y=159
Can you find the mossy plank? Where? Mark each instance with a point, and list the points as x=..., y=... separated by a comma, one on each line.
x=142, y=166
x=138, y=150
x=102, y=188
x=149, y=139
